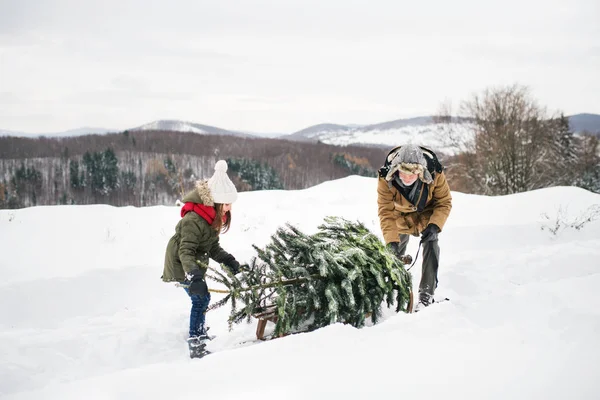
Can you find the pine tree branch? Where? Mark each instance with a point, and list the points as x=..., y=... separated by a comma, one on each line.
x=342, y=273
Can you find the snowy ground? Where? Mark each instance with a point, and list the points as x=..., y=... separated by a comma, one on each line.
x=84, y=315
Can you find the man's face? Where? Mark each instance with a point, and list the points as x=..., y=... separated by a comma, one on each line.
x=408, y=179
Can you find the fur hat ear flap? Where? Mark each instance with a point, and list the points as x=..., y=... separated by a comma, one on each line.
x=409, y=159
x=426, y=177
x=223, y=191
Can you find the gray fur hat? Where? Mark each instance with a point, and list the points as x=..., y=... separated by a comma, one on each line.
x=409, y=159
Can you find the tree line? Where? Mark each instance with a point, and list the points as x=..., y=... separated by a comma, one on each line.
x=146, y=168
x=515, y=147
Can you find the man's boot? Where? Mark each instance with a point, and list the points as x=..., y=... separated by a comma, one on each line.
x=429, y=271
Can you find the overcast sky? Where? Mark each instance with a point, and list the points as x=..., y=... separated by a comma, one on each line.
x=280, y=66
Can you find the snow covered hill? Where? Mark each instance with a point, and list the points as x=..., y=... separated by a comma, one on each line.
x=419, y=130
x=84, y=314
x=440, y=137
x=422, y=130
x=4, y=132
x=184, y=126
x=70, y=132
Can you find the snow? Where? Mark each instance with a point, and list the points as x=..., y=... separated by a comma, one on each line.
x=178, y=126
x=71, y=132
x=84, y=314
x=436, y=135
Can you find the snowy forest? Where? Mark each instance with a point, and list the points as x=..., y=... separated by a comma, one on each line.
x=515, y=147
x=151, y=168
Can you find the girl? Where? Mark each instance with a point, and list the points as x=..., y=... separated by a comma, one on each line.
x=205, y=214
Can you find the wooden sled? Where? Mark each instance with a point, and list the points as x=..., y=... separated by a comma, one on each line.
x=270, y=314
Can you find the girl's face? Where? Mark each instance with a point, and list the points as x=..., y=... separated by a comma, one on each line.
x=226, y=207
x=408, y=179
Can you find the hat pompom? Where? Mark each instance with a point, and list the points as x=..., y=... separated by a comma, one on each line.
x=221, y=188
x=221, y=166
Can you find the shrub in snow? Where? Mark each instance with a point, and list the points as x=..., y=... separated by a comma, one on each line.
x=562, y=221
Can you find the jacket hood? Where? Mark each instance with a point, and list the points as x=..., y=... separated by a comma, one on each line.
x=200, y=195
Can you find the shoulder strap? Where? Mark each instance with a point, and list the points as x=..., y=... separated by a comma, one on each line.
x=433, y=164
x=383, y=170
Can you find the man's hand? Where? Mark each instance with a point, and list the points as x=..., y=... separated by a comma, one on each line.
x=395, y=249
x=430, y=234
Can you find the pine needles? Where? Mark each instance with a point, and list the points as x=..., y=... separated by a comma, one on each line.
x=342, y=273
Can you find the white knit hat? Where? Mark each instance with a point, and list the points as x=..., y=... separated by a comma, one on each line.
x=221, y=188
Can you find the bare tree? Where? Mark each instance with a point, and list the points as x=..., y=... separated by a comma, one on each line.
x=512, y=142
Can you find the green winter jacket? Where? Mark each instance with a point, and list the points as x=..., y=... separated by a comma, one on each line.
x=194, y=239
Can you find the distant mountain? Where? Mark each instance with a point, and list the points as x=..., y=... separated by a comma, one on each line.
x=83, y=131
x=184, y=126
x=4, y=132
x=315, y=132
x=585, y=122
x=160, y=125
x=420, y=130
x=70, y=132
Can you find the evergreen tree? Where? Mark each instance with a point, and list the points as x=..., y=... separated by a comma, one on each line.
x=563, y=152
x=259, y=176
x=92, y=177
x=342, y=273
x=110, y=171
x=74, y=178
x=588, y=163
x=101, y=172
x=26, y=183
x=353, y=164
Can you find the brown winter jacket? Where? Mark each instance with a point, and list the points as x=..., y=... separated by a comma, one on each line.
x=194, y=239
x=397, y=215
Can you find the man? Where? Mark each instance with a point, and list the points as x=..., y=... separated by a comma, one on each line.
x=413, y=198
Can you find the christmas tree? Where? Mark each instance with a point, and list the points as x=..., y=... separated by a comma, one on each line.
x=342, y=273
